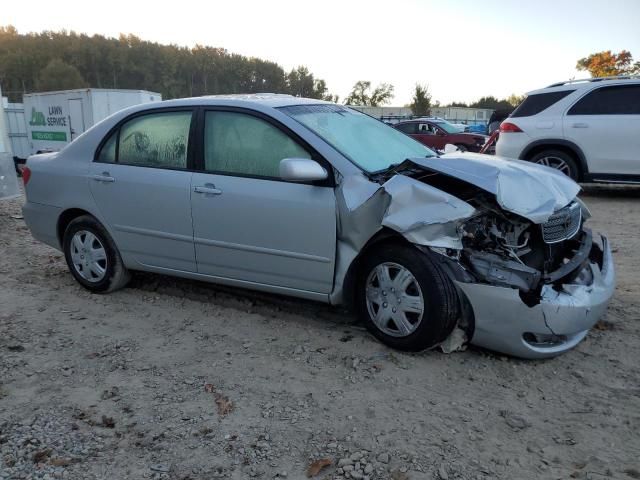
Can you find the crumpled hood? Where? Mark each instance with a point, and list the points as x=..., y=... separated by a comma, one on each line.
x=526, y=189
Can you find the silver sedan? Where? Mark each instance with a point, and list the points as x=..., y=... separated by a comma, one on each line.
x=316, y=200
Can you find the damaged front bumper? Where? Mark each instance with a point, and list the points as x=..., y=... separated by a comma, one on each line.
x=562, y=318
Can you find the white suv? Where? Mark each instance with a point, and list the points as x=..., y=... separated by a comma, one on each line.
x=588, y=129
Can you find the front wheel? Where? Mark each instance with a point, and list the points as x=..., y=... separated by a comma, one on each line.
x=92, y=256
x=405, y=299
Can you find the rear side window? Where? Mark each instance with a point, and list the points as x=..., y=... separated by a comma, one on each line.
x=237, y=143
x=155, y=140
x=408, y=128
x=538, y=102
x=615, y=100
x=108, y=152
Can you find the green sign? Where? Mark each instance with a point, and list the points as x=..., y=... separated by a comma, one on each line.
x=37, y=118
x=50, y=136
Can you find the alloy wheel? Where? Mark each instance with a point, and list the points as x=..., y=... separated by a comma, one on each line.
x=555, y=162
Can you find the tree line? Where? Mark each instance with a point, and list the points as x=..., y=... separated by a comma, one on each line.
x=65, y=60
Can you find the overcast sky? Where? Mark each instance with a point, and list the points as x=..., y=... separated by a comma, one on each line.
x=462, y=49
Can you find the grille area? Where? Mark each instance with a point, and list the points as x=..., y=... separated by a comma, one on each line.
x=563, y=224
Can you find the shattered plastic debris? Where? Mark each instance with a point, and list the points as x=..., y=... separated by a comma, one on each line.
x=455, y=342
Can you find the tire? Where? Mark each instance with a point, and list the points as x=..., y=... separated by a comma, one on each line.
x=461, y=147
x=92, y=256
x=440, y=303
x=559, y=160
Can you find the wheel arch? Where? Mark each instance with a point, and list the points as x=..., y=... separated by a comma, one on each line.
x=559, y=144
x=66, y=217
x=384, y=235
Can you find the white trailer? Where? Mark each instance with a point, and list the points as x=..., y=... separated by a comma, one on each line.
x=17, y=128
x=55, y=118
x=8, y=181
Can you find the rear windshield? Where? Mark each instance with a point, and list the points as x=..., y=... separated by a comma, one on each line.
x=538, y=102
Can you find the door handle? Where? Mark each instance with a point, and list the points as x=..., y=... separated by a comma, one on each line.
x=208, y=189
x=580, y=125
x=104, y=177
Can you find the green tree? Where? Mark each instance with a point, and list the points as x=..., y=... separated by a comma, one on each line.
x=421, y=104
x=361, y=95
x=458, y=104
x=515, y=100
x=58, y=75
x=608, y=64
x=490, y=102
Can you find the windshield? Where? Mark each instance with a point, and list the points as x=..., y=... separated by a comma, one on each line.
x=448, y=127
x=369, y=143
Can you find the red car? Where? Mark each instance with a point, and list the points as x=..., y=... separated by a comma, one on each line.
x=437, y=133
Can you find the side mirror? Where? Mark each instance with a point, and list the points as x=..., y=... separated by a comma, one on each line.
x=440, y=133
x=301, y=170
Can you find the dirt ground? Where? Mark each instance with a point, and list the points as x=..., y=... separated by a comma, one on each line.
x=176, y=379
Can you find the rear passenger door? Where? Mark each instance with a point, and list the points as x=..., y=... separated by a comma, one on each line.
x=605, y=124
x=141, y=183
x=251, y=226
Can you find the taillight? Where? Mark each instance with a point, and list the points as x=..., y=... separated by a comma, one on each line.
x=506, y=127
x=26, y=174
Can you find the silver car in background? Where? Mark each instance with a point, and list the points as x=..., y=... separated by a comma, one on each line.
x=315, y=200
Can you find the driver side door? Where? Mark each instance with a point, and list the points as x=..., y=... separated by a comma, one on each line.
x=249, y=224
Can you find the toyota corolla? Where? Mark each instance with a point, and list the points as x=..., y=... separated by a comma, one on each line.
x=316, y=200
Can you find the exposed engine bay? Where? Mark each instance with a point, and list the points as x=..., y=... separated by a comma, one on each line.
x=503, y=249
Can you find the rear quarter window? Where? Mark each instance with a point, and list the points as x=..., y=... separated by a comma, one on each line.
x=539, y=102
x=613, y=100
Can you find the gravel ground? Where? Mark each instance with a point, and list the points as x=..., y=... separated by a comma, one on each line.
x=173, y=379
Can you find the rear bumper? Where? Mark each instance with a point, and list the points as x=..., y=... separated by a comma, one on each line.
x=503, y=322
x=511, y=145
x=42, y=220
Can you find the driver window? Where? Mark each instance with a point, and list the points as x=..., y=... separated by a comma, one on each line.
x=241, y=144
x=155, y=140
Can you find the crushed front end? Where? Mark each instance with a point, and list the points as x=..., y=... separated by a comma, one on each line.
x=535, y=289
x=531, y=279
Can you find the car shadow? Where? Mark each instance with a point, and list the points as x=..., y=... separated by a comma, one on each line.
x=610, y=190
x=267, y=304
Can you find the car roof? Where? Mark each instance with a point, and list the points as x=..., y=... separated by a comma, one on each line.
x=273, y=100
x=587, y=84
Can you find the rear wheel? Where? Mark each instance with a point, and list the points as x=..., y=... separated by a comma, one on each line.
x=559, y=160
x=92, y=256
x=405, y=299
